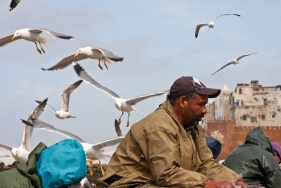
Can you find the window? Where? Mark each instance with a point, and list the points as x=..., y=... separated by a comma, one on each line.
x=264, y=101
x=244, y=117
x=240, y=91
x=273, y=115
x=237, y=102
x=262, y=116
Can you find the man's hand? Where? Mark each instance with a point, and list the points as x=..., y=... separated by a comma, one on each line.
x=219, y=184
x=241, y=184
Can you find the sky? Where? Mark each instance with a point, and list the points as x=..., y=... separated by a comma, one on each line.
x=156, y=39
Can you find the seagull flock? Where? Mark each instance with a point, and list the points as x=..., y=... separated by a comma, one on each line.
x=103, y=56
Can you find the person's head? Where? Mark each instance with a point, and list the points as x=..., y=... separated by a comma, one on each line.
x=189, y=97
x=277, y=150
x=214, y=145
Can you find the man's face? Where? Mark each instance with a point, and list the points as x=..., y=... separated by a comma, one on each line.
x=194, y=110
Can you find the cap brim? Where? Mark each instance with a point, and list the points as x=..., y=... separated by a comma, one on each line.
x=210, y=92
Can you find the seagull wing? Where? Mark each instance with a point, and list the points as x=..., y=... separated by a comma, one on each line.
x=245, y=56
x=225, y=15
x=6, y=147
x=27, y=132
x=137, y=99
x=117, y=128
x=66, y=95
x=223, y=67
x=13, y=4
x=110, y=55
x=42, y=125
x=87, y=78
x=39, y=102
x=56, y=34
x=67, y=61
x=7, y=39
x=107, y=143
x=197, y=29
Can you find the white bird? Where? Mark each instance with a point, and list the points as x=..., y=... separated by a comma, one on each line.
x=65, y=96
x=21, y=153
x=211, y=24
x=92, y=151
x=87, y=52
x=32, y=35
x=234, y=62
x=124, y=105
x=14, y=3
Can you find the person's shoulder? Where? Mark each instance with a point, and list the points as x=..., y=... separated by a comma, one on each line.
x=159, y=120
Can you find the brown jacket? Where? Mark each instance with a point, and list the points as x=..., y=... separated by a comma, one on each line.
x=158, y=150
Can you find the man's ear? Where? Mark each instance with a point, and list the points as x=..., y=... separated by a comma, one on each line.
x=182, y=101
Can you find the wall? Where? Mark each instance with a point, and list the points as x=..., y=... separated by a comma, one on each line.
x=232, y=136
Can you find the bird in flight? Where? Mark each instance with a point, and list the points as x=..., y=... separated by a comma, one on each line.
x=65, y=96
x=210, y=24
x=234, y=62
x=33, y=35
x=88, y=53
x=14, y=3
x=124, y=105
x=21, y=153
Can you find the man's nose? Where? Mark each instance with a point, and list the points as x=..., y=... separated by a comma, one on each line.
x=204, y=110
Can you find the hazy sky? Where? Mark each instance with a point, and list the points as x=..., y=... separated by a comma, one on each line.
x=156, y=39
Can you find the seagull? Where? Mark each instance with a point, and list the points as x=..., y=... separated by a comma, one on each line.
x=234, y=62
x=21, y=153
x=211, y=24
x=14, y=3
x=117, y=128
x=87, y=52
x=63, y=113
x=92, y=151
x=32, y=35
x=124, y=105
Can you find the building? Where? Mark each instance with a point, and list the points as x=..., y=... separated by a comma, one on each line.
x=250, y=105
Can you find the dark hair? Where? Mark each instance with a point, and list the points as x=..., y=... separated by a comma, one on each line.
x=188, y=96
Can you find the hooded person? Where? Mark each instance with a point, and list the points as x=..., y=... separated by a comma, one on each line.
x=168, y=148
x=254, y=160
x=277, y=150
x=214, y=145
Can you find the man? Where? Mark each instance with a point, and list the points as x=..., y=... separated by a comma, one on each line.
x=255, y=161
x=168, y=148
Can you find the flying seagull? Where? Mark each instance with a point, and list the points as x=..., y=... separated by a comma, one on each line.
x=124, y=105
x=234, y=62
x=85, y=53
x=92, y=151
x=211, y=24
x=117, y=128
x=32, y=35
x=14, y=3
x=21, y=153
x=63, y=113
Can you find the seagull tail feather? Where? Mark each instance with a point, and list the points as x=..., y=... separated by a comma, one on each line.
x=136, y=109
x=46, y=40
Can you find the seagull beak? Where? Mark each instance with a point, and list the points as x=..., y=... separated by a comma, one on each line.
x=76, y=54
x=15, y=157
x=13, y=38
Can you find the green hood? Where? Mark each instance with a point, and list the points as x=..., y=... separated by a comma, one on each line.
x=258, y=137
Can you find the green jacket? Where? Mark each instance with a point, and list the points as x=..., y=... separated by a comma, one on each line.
x=254, y=160
x=159, y=151
x=24, y=175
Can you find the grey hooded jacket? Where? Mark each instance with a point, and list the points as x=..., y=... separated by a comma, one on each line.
x=254, y=160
